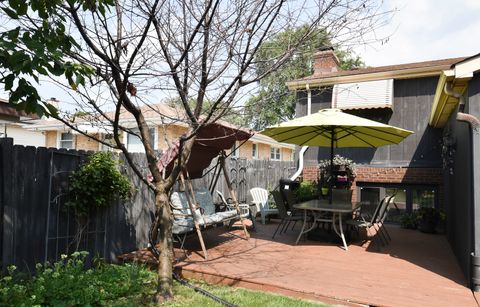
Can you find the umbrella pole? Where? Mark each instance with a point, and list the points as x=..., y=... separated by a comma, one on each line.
x=332, y=134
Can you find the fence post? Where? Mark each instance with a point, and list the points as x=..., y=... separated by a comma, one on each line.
x=7, y=209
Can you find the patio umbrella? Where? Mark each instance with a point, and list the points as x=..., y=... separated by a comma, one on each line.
x=334, y=128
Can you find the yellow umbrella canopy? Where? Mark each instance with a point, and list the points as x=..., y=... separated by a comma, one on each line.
x=334, y=128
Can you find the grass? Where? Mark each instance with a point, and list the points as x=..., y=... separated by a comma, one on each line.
x=68, y=283
x=241, y=297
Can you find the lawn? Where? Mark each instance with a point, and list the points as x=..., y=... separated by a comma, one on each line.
x=68, y=283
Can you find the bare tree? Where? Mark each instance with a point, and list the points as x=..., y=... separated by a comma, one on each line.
x=195, y=51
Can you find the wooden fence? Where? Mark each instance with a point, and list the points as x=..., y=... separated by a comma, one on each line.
x=37, y=226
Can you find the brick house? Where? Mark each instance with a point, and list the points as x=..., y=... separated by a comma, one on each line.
x=164, y=129
x=435, y=166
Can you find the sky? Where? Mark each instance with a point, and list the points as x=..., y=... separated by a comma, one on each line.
x=424, y=30
x=420, y=30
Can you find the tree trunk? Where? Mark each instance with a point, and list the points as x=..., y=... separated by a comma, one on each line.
x=165, y=246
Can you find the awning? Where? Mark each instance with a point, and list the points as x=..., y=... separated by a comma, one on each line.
x=211, y=140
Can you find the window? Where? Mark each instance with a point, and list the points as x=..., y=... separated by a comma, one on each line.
x=408, y=198
x=361, y=95
x=66, y=140
x=254, y=151
x=235, y=151
x=275, y=154
x=134, y=143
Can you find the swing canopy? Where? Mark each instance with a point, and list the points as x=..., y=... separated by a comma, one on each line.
x=211, y=140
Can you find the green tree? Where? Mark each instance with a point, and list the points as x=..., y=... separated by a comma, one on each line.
x=28, y=51
x=274, y=102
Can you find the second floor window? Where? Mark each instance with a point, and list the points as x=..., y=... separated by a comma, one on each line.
x=275, y=154
x=66, y=140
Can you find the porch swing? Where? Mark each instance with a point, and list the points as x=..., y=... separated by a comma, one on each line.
x=195, y=209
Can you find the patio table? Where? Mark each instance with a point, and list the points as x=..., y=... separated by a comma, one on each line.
x=318, y=205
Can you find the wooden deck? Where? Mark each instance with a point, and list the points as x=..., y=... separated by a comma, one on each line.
x=416, y=269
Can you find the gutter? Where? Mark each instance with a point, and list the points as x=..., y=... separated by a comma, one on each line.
x=474, y=124
x=304, y=148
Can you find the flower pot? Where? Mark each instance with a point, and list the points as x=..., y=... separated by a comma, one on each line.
x=427, y=226
x=324, y=191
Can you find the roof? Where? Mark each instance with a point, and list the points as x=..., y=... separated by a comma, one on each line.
x=262, y=138
x=10, y=113
x=397, y=71
x=457, y=78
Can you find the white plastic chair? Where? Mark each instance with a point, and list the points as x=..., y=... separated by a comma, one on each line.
x=260, y=199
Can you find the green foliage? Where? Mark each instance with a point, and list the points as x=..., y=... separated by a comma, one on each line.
x=274, y=102
x=338, y=161
x=306, y=191
x=429, y=214
x=408, y=220
x=97, y=183
x=27, y=53
x=68, y=283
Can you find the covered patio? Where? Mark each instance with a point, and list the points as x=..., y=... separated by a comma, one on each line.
x=416, y=269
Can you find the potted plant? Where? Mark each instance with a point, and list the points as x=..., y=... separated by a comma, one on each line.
x=428, y=218
x=344, y=172
x=408, y=220
x=306, y=191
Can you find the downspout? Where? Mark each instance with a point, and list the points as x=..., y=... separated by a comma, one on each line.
x=474, y=124
x=302, y=151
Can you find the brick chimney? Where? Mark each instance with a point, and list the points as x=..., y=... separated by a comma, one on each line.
x=325, y=61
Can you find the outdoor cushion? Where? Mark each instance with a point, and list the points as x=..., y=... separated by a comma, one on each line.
x=205, y=201
x=180, y=205
x=181, y=226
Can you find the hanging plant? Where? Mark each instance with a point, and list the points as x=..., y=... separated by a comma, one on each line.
x=339, y=163
x=96, y=184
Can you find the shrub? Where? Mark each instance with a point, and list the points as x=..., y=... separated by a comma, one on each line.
x=306, y=191
x=96, y=184
x=408, y=220
x=68, y=283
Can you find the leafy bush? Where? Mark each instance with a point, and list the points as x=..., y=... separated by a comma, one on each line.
x=306, y=191
x=408, y=220
x=97, y=183
x=68, y=283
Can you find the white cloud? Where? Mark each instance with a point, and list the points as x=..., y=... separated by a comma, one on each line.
x=427, y=30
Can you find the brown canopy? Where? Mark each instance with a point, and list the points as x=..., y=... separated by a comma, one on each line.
x=211, y=140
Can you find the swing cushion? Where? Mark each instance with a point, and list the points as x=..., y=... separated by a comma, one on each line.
x=180, y=206
x=182, y=225
x=205, y=201
x=182, y=213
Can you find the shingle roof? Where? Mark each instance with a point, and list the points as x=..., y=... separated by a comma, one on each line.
x=397, y=67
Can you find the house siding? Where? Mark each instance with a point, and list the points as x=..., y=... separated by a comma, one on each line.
x=412, y=102
x=51, y=139
x=83, y=142
x=458, y=179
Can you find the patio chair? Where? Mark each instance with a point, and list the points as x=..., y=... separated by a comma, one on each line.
x=260, y=199
x=289, y=200
x=286, y=216
x=342, y=196
x=244, y=208
x=367, y=221
x=382, y=215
